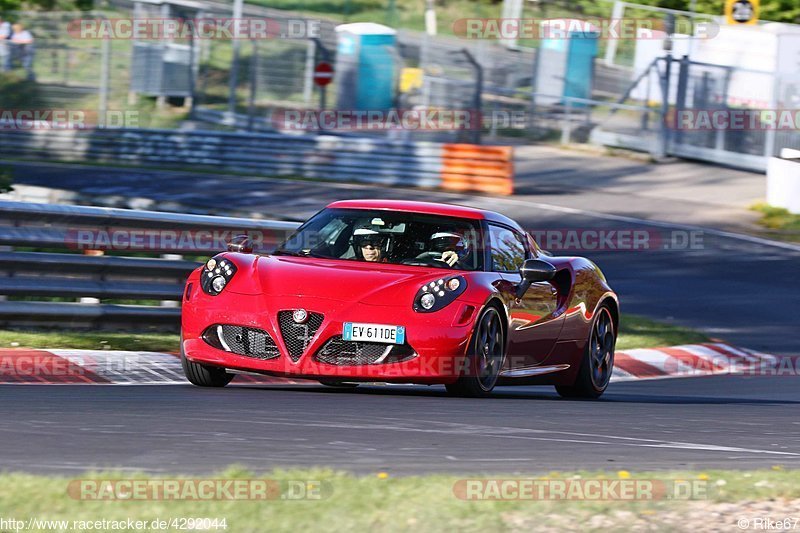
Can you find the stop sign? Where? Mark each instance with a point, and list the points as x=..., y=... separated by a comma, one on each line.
x=323, y=74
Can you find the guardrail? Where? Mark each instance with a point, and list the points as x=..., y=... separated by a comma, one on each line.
x=100, y=267
x=325, y=157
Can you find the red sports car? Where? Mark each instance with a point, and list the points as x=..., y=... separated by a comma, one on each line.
x=404, y=292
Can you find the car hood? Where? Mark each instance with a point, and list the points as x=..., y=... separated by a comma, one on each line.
x=347, y=281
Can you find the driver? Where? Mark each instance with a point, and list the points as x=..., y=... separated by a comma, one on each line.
x=451, y=245
x=368, y=245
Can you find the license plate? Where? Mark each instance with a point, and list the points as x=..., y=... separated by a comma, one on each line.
x=355, y=331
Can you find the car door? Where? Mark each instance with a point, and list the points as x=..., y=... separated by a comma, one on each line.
x=533, y=326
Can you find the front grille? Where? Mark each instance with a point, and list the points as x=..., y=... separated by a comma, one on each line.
x=338, y=351
x=296, y=336
x=249, y=342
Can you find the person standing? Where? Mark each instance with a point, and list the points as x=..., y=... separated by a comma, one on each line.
x=23, y=39
x=5, y=53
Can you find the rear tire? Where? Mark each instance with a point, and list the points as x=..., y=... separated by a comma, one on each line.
x=485, y=357
x=598, y=359
x=203, y=375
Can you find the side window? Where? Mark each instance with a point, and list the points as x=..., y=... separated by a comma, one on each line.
x=533, y=246
x=508, y=249
x=330, y=232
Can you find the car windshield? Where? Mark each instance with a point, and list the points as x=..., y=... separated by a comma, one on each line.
x=389, y=237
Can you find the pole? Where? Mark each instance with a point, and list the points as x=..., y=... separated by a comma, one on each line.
x=192, y=75
x=238, y=6
x=321, y=52
x=665, y=137
x=251, y=104
x=611, y=45
x=692, y=9
x=390, y=13
x=680, y=97
x=430, y=18
x=308, y=82
x=105, y=59
x=476, y=102
x=512, y=9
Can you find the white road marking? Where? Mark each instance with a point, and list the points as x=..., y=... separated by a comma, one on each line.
x=506, y=433
x=655, y=223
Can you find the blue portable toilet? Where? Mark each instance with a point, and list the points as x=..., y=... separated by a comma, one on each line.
x=365, y=66
x=565, y=66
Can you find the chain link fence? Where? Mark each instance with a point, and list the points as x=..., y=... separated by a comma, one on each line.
x=243, y=84
x=64, y=72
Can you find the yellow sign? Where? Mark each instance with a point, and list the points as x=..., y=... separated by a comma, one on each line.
x=410, y=78
x=742, y=12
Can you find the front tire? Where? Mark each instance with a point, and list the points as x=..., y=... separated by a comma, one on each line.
x=204, y=375
x=485, y=358
x=598, y=359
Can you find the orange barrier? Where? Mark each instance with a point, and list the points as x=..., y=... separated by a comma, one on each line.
x=471, y=167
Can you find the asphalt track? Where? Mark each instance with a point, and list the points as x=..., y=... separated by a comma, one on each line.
x=742, y=290
x=731, y=422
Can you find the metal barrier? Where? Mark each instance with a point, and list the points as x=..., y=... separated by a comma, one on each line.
x=418, y=164
x=41, y=287
x=467, y=167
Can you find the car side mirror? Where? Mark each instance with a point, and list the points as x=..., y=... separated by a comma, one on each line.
x=532, y=271
x=241, y=244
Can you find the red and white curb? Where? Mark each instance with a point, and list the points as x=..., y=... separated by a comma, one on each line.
x=690, y=360
x=103, y=367
x=19, y=366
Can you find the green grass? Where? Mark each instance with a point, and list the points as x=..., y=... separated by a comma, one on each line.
x=783, y=224
x=90, y=340
x=381, y=502
x=639, y=332
x=636, y=332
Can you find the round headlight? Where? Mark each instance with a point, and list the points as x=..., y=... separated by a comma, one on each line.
x=218, y=284
x=211, y=264
x=453, y=284
x=427, y=300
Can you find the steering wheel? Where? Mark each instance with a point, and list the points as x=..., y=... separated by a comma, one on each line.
x=427, y=259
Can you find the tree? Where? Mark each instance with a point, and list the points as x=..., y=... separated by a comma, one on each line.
x=35, y=5
x=775, y=10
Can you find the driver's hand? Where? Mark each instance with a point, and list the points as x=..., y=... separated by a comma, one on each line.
x=450, y=257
